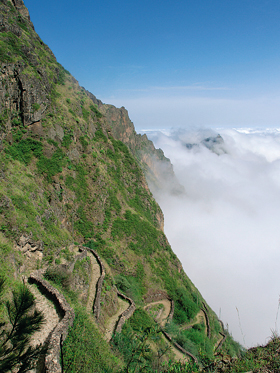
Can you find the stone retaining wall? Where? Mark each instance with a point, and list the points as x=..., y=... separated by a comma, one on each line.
x=126, y=314
x=223, y=335
x=52, y=358
x=179, y=347
x=154, y=296
x=205, y=311
x=172, y=309
x=207, y=323
x=221, y=342
x=96, y=304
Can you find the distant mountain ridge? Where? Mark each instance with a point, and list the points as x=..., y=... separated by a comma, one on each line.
x=213, y=143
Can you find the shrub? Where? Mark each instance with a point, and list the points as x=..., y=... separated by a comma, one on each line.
x=83, y=141
x=23, y=150
x=35, y=107
x=99, y=135
x=62, y=73
x=85, y=113
x=141, y=231
x=59, y=276
x=51, y=166
x=95, y=110
x=67, y=139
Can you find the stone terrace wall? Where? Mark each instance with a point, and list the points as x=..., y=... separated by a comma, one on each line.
x=179, y=347
x=52, y=359
x=205, y=311
x=154, y=296
x=172, y=309
x=207, y=323
x=126, y=314
x=223, y=335
x=96, y=305
x=221, y=341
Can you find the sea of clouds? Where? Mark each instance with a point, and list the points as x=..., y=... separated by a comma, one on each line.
x=225, y=228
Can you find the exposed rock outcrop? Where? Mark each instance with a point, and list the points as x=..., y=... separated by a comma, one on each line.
x=158, y=169
x=26, y=79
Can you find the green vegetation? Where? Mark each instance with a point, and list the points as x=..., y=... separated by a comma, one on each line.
x=62, y=75
x=99, y=135
x=22, y=322
x=35, y=107
x=84, y=349
x=59, y=276
x=83, y=225
x=67, y=139
x=185, y=307
x=51, y=166
x=95, y=110
x=142, y=232
x=24, y=149
x=65, y=179
x=136, y=349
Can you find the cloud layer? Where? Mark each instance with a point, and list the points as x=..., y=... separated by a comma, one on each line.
x=225, y=228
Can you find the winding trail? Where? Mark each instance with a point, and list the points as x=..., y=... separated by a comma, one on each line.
x=163, y=313
x=161, y=318
x=180, y=356
x=95, y=275
x=199, y=318
x=111, y=323
x=59, y=333
x=52, y=318
x=126, y=305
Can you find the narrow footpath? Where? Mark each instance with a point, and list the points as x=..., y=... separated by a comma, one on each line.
x=94, y=276
x=199, y=318
x=111, y=323
x=161, y=318
x=52, y=318
x=163, y=313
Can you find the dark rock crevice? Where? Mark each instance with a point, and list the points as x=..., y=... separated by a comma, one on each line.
x=20, y=103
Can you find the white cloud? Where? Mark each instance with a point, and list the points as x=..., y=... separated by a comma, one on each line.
x=225, y=229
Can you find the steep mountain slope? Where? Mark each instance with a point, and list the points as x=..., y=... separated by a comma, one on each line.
x=71, y=174
x=157, y=168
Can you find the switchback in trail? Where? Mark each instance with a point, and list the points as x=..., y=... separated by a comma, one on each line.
x=126, y=305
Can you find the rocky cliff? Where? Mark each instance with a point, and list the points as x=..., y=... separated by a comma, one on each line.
x=157, y=168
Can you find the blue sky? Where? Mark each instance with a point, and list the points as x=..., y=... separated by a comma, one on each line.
x=171, y=63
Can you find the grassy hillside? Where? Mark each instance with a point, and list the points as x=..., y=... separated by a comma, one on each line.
x=66, y=181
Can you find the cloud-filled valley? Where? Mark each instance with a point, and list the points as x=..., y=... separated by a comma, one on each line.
x=225, y=227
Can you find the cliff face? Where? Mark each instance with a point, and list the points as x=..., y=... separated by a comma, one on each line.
x=70, y=175
x=157, y=168
x=28, y=70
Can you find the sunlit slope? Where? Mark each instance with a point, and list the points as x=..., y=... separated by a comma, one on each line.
x=64, y=180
